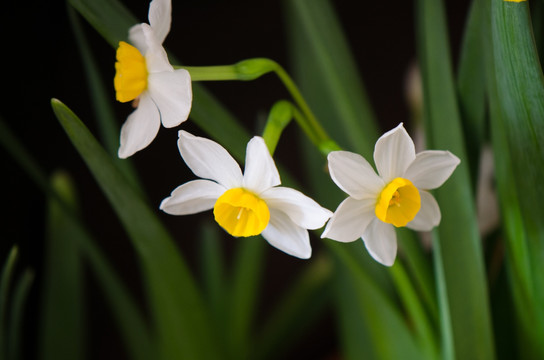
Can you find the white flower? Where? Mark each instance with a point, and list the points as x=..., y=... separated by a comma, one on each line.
x=396, y=196
x=248, y=204
x=144, y=74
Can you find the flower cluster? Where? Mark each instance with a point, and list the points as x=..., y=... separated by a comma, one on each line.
x=252, y=203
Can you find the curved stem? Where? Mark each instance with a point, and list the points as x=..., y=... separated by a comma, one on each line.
x=254, y=68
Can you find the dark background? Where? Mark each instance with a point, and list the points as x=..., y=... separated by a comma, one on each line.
x=40, y=61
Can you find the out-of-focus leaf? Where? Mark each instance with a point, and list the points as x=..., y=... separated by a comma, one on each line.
x=373, y=326
x=182, y=325
x=296, y=311
x=337, y=95
x=20, y=295
x=5, y=282
x=520, y=90
x=463, y=298
x=471, y=88
x=129, y=319
x=62, y=332
x=243, y=294
x=505, y=25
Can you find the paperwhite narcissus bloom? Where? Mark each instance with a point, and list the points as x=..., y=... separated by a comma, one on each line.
x=248, y=204
x=395, y=197
x=143, y=73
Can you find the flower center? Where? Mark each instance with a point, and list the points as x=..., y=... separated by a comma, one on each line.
x=131, y=73
x=398, y=203
x=241, y=213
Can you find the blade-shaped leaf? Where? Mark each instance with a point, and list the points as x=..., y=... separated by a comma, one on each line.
x=337, y=96
x=63, y=325
x=128, y=316
x=182, y=324
x=5, y=282
x=522, y=255
x=458, y=254
x=372, y=323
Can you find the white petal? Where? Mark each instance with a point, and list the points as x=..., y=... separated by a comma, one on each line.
x=354, y=175
x=350, y=220
x=260, y=172
x=381, y=242
x=140, y=128
x=192, y=197
x=285, y=235
x=209, y=160
x=160, y=18
x=156, y=59
x=137, y=37
x=431, y=168
x=393, y=153
x=301, y=209
x=173, y=95
x=429, y=214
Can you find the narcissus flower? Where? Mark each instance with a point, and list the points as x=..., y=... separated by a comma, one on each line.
x=395, y=197
x=144, y=74
x=248, y=204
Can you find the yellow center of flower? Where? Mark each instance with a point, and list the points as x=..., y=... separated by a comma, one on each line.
x=241, y=213
x=398, y=203
x=131, y=73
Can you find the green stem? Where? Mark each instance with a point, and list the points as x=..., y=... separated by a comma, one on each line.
x=254, y=68
x=413, y=306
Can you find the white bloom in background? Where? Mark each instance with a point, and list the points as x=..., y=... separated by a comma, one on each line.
x=144, y=74
x=395, y=197
x=248, y=204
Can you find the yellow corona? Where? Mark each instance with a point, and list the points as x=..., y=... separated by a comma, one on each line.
x=398, y=203
x=131, y=73
x=241, y=213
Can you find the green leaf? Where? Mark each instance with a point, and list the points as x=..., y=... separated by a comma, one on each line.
x=326, y=72
x=471, y=88
x=243, y=294
x=300, y=306
x=20, y=296
x=182, y=325
x=63, y=326
x=520, y=90
x=505, y=25
x=5, y=283
x=372, y=325
x=129, y=318
x=462, y=289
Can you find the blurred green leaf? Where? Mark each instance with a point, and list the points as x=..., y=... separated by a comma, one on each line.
x=502, y=30
x=471, y=88
x=463, y=298
x=62, y=332
x=5, y=282
x=20, y=296
x=373, y=327
x=327, y=74
x=129, y=319
x=300, y=306
x=520, y=91
x=182, y=325
x=243, y=294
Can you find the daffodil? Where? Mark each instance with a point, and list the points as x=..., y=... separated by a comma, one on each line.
x=245, y=204
x=144, y=74
x=396, y=196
